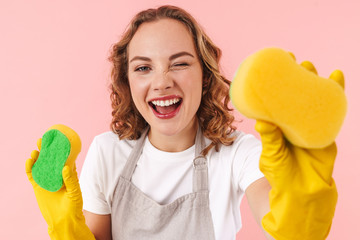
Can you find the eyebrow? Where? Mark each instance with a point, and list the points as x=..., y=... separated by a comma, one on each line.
x=180, y=54
x=140, y=58
x=172, y=57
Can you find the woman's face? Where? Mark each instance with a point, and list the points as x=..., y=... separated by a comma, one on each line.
x=165, y=78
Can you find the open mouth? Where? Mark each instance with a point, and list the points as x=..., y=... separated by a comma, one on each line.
x=165, y=108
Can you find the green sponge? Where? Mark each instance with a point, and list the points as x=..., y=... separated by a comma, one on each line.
x=47, y=170
x=60, y=146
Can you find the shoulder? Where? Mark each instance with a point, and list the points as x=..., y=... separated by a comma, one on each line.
x=108, y=141
x=240, y=157
x=243, y=137
x=108, y=138
x=246, y=141
x=243, y=143
x=244, y=151
x=107, y=151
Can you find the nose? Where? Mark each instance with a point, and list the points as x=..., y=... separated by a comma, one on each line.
x=162, y=81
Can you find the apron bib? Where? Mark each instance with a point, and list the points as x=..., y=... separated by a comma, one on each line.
x=136, y=216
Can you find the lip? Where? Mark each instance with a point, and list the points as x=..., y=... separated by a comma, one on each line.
x=165, y=98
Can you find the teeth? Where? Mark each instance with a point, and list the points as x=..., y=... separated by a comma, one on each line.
x=165, y=103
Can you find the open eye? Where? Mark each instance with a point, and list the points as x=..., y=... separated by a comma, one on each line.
x=142, y=69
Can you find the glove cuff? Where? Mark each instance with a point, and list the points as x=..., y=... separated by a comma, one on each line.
x=300, y=216
x=71, y=229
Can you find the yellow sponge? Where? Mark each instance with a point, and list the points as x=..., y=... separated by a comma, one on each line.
x=269, y=85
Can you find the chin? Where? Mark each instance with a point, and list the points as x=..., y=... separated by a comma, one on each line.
x=167, y=129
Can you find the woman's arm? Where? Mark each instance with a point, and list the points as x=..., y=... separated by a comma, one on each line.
x=100, y=225
x=257, y=195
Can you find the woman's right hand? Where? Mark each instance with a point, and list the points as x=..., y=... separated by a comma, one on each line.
x=62, y=210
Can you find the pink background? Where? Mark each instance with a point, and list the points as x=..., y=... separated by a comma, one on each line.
x=54, y=70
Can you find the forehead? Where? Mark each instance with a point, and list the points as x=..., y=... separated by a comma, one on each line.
x=163, y=37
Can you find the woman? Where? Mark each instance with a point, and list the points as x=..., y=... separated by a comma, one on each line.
x=174, y=167
x=171, y=68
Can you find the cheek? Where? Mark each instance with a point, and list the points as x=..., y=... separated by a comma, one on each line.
x=138, y=91
x=197, y=91
x=194, y=83
x=133, y=88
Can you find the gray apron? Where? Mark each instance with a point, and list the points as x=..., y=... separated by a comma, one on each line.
x=136, y=216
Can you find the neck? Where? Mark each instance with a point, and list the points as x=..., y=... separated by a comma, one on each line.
x=176, y=142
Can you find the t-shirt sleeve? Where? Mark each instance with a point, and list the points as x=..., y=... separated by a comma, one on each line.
x=92, y=184
x=246, y=164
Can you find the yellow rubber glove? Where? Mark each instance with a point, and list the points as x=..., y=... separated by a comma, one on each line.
x=303, y=195
x=62, y=210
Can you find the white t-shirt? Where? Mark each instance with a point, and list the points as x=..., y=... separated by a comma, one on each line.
x=165, y=176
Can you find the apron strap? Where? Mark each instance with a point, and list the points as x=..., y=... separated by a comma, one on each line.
x=200, y=173
x=130, y=165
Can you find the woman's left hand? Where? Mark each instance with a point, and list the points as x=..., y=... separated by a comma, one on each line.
x=303, y=195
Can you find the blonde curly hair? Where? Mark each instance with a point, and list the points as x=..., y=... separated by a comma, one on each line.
x=213, y=114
